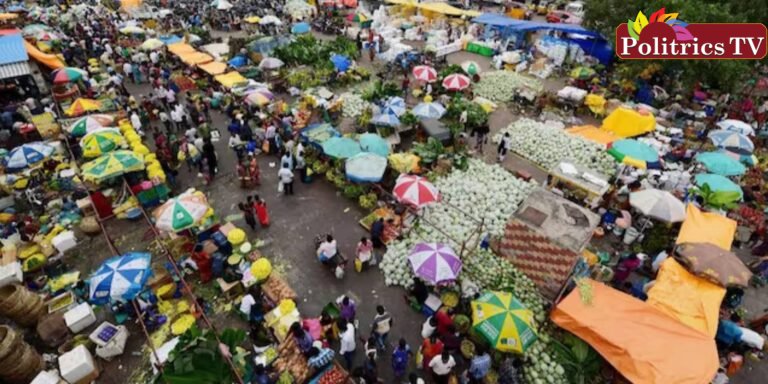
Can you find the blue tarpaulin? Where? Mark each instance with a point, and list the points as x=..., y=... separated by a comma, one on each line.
x=237, y=61
x=12, y=49
x=170, y=39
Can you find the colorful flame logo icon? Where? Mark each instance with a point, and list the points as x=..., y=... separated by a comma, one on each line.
x=636, y=27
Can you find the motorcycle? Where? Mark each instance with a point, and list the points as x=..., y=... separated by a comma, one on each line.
x=337, y=263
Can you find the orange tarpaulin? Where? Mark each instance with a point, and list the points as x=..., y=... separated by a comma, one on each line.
x=194, y=58
x=706, y=227
x=49, y=60
x=643, y=344
x=593, y=134
x=214, y=68
x=686, y=297
x=180, y=48
x=624, y=122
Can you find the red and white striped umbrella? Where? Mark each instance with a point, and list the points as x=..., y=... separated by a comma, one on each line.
x=425, y=73
x=415, y=190
x=455, y=82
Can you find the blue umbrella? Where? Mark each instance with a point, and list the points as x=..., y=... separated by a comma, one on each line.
x=371, y=142
x=395, y=106
x=718, y=183
x=341, y=147
x=365, y=168
x=729, y=139
x=26, y=155
x=429, y=110
x=300, y=28
x=387, y=119
x=237, y=61
x=120, y=278
x=721, y=164
x=341, y=62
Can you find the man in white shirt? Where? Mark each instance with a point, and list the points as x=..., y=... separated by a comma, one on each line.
x=136, y=123
x=441, y=367
x=128, y=70
x=286, y=177
x=327, y=249
x=348, y=345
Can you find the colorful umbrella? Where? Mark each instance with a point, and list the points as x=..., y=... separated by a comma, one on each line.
x=658, y=204
x=471, y=67
x=635, y=153
x=120, y=278
x=435, y=262
x=260, y=97
x=736, y=126
x=85, y=125
x=721, y=164
x=131, y=30
x=456, y=82
x=429, y=110
x=371, y=142
x=180, y=213
x=112, y=164
x=714, y=263
x=415, y=190
x=733, y=141
x=358, y=18
x=582, y=73
x=27, y=155
x=341, y=62
x=67, y=75
x=425, y=73
x=81, y=106
x=300, y=28
x=101, y=141
x=341, y=147
x=395, y=106
x=503, y=321
x=718, y=183
x=365, y=168
x=271, y=63
x=152, y=44
x=386, y=119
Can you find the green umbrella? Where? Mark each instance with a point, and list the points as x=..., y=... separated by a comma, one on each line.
x=721, y=164
x=341, y=147
x=83, y=126
x=503, y=321
x=112, y=164
x=471, y=67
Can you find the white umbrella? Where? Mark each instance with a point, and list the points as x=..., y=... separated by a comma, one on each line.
x=270, y=19
x=736, y=126
x=658, y=204
x=271, y=63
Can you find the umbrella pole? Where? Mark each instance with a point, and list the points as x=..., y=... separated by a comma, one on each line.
x=136, y=309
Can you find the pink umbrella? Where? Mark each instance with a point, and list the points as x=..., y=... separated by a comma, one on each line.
x=435, y=262
x=415, y=190
x=455, y=82
x=425, y=73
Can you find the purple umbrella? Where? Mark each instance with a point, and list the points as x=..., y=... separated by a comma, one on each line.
x=435, y=262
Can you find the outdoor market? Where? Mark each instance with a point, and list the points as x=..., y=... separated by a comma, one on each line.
x=356, y=191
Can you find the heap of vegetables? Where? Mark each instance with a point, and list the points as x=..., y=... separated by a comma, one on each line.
x=502, y=86
x=485, y=191
x=354, y=105
x=547, y=144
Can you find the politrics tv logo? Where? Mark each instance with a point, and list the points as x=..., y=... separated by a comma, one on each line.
x=664, y=36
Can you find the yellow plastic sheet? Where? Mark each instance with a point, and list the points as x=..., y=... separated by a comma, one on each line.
x=625, y=123
x=705, y=227
x=230, y=79
x=594, y=134
x=194, y=58
x=213, y=68
x=180, y=48
x=686, y=297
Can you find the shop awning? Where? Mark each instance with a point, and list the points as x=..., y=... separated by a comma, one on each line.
x=706, y=227
x=214, y=68
x=9, y=71
x=645, y=345
x=230, y=79
x=624, y=122
x=686, y=297
x=442, y=8
x=594, y=134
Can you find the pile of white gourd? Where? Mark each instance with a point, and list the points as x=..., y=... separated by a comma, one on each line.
x=502, y=86
x=353, y=105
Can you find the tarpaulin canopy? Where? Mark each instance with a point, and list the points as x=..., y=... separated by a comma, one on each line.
x=624, y=122
x=686, y=297
x=497, y=20
x=213, y=68
x=442, y=8
x=230, y=79
x=179, y=48
x=49, y=60
x=194, y=58
x=594, y=134
x=705, y=227
x=645, y=345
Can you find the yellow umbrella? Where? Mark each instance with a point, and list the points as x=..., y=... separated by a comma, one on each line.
x=252, y=19
x=112, y=164
x=81, y=106
x=503, y=322
x=101, y=141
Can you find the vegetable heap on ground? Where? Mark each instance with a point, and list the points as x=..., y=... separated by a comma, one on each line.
x=354, y=105
x=547, y=144
x=502, y=86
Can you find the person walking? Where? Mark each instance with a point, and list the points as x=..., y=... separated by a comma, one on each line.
x=364, y=251
x=400, y=358
x=441, y=367
x=348, y=343
x=286, y=179
x=504, y=144
x=260, y=207
x=479, y=367
x=248, y=215
x=209, y=153
x=347, y=308
x=430, y=348
x=382, y=323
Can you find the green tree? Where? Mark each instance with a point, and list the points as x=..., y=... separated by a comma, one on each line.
x=606, y=15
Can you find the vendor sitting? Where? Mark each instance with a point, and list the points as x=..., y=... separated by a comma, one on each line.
x=327, y=249
x=320, y=356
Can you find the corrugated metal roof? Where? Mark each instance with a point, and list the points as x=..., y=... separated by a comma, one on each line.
x=12, y=49
x=9, y=71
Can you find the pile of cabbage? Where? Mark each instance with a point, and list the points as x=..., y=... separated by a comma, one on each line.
x=547, y=144
x=482, y=191
x=502, y=86
x=353, y=105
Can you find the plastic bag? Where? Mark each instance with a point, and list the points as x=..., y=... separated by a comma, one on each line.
x=419, y=359
x=339, y=272
x=280, y=187
x=358, y=265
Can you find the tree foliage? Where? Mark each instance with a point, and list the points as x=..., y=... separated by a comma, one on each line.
x=606, y=15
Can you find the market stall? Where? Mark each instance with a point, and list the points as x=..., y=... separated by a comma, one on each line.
x=589, y=185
